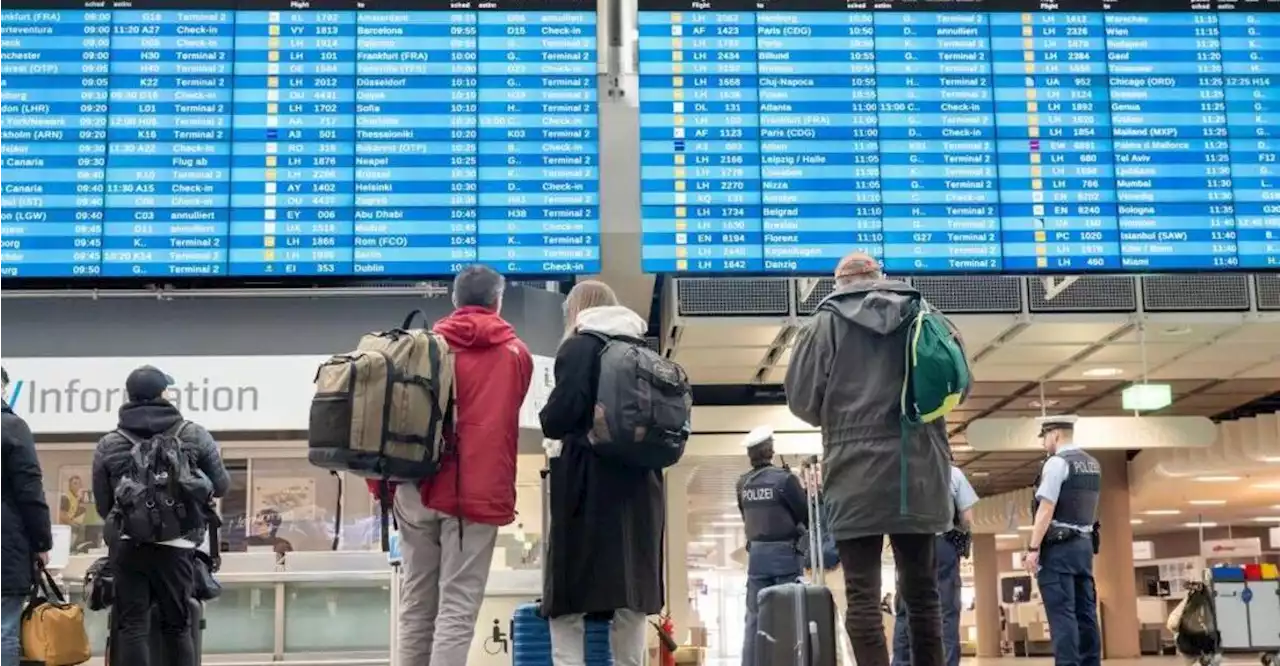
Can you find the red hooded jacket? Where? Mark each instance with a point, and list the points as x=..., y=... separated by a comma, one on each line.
x=492, y=371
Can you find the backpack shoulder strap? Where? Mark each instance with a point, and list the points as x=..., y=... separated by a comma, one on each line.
x=178, y=428
x=133, y=439
x=602, y=337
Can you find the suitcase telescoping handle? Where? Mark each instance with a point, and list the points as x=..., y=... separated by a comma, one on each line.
x=809, y=651
x=811, y=477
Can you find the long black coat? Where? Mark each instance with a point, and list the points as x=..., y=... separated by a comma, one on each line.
x=26, y=529
x=607, y=520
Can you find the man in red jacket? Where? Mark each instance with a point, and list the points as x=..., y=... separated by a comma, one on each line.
x=448, y=526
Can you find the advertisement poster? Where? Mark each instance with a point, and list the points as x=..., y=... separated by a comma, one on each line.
x=73, y=506
x=284, y=515
x=293, y=499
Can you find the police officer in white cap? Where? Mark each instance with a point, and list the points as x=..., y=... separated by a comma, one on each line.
x=775, y=515
x=1063, y=543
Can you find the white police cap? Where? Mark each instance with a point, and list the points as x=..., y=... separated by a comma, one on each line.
x=759, y=435
x=1061, y=422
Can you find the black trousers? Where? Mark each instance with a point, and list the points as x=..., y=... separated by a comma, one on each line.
x=913, y=556
x=147, y=575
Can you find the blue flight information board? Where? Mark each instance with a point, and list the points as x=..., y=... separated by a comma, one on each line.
x=251, y=138
x=967, y=136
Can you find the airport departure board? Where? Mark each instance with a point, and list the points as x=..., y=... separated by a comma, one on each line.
x=204, y=138
x=961, y=136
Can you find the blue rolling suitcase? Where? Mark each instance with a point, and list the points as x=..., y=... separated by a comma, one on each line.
x=531, y=639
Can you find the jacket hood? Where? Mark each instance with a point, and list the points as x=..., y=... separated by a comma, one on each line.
x=148, y=417
x=612, y=320
x=880, y=306
x=474, y=327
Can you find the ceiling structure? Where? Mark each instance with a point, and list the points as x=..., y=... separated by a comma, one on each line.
x=1052, y=364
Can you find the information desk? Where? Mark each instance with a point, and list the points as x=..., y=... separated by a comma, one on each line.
x=198, y=138
x=341, y=616
x=965, y=136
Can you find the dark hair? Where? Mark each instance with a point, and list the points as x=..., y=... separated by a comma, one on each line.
x=761, y=454
x=272, y=519
x=4, y=376
x=478, y=285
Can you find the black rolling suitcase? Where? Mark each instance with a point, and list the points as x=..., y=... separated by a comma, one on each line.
x=797, y=621
x=159, y=656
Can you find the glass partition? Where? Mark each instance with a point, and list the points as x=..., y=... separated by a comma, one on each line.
x=327, y=616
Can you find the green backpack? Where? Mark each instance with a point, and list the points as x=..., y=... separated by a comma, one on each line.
x=937, y=373
x=936, y=379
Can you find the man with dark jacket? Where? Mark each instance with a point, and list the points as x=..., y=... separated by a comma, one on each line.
x=846, y=376
x=159, y=573
x=27, y=533
x=449, y=524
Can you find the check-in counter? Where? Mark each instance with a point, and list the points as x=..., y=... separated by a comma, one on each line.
x=321, y=609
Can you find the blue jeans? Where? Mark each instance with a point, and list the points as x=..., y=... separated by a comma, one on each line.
x=948, y=572
x=768, y=564
x=11, y=623
x=1071, y=602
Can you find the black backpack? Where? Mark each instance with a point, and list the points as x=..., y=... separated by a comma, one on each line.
x=160, y=497
x=643, y=405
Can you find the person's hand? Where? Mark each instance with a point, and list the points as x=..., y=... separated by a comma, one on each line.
x=1031, y=561
x=43, y=557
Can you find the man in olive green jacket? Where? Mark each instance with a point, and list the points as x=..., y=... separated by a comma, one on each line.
x=845, y=376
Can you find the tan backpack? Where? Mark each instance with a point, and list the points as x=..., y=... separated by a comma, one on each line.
x=384, y=410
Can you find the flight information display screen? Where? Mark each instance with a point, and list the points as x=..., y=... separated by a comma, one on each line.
x=960, y=136
x=202, y=138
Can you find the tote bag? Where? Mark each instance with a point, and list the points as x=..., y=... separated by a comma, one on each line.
x=53, y=631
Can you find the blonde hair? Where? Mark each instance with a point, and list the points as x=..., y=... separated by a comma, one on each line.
x=584, y=296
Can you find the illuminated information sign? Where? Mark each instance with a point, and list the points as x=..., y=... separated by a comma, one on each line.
x=162, y=138
x=968, y=136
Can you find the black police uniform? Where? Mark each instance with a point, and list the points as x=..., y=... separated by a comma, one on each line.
x=773, y=509
x=1066, y=563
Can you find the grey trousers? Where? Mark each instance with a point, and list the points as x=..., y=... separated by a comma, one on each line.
x=626, y=639
x=446, y=567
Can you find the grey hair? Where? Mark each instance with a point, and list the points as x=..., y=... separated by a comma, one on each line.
x=478, y=285
x=850, y=279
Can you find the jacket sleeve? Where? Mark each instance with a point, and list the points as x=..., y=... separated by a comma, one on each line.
x=104, y=495
x=524, y=369
x=209, y=460
x=810, y=368
x=23, y=472
x=571, y=400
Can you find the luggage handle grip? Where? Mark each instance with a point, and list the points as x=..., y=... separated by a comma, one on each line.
x=813, y=644
x=408, y=320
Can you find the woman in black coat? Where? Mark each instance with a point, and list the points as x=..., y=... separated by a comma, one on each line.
x=605, y=543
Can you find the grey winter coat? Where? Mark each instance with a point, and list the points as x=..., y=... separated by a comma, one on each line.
x=846, y=377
